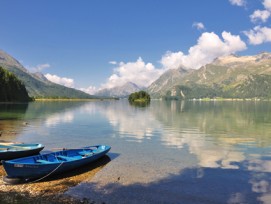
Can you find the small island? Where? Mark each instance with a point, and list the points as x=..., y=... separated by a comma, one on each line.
x=139, y=97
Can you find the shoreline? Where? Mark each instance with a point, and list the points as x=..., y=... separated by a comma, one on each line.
x=51, y=189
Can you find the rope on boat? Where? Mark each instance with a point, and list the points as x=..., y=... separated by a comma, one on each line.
x=47, y=174
x=88, y=148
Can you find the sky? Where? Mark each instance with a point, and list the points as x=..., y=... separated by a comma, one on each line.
x=95, y=44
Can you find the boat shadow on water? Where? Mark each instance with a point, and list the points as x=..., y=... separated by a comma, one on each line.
x=78, y=171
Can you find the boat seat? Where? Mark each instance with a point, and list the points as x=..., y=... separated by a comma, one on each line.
x=85, y=153
x=43, y=161
x=65, y=158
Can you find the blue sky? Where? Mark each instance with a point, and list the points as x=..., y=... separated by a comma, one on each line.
x=89, y=44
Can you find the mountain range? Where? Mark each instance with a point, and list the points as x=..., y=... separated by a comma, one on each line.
x=119, y=91
x=229, y=77
x=36, y=84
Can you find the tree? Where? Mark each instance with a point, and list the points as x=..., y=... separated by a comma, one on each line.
x=139, y=97
x=11, y=88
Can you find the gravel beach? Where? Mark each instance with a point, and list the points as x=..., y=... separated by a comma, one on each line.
x=52, y=189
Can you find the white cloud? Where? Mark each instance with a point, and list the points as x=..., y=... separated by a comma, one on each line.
x=60, y=80
x=198, y=25
x=267, y=4
x=208, y=47
x=113, y=62
x=259, y=15
x=172, y=60
x=39, y=67
x=90, y=90
x=139, y=72
x=238, y=2
x=258, y=35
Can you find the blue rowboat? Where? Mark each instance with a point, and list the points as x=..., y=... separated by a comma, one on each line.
x=43, y=165
x=12, y=151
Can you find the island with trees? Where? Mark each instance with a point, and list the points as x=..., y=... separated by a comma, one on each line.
x=139, y=97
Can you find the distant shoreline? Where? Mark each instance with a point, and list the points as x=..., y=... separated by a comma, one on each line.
x=73, y=99
x=229, y=99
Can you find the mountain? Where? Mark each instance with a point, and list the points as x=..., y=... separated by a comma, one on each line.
x=229, y=76
x=11, y=88
x=166, y=80
x=36, y=84
x=120, y=91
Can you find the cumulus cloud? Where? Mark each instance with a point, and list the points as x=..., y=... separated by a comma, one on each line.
x=238, y=2
x=208, y=47
x=258, y=35
x=267, y=4
x=172, y=60
x=259, y=15
x=38, y=68
x=60, y=80
x=198, y=25
x=90, y=90
x=139, y=72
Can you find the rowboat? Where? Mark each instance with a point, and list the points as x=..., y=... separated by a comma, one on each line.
x=13, y=150
x=43, y=165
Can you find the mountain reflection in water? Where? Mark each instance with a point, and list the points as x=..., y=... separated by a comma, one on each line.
x=169, y=152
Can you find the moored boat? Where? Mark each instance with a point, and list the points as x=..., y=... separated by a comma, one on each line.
x=43, y=165
x=14, y=150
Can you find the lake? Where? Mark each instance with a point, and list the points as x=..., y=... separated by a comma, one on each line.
x=167, y=152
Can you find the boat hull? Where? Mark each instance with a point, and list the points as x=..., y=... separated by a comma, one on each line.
x=20, y=150
x=29, y=168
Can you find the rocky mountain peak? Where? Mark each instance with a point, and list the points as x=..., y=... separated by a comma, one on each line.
x=120, y=91
x=7, y=60
x=234, y=59
x=263, y=56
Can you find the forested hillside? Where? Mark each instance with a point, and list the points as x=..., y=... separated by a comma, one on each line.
x=11, y=89
x=38, y=86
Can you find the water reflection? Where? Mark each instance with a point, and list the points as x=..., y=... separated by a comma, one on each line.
x=190, y=186
x=54, y=119
x=17, y=118
x=132, y=123
x=220, y=134
x=207, y=148
x=226, y=139
x=12, y=120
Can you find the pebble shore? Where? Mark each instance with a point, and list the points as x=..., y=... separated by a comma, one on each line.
x=52, y=189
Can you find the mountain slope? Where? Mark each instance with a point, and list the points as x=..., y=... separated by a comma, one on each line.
x=258, y=86
x=120, y=91
x=166, y=80
x=222, y=78
x=11, y=89
x=38, y=86
x=231, y=70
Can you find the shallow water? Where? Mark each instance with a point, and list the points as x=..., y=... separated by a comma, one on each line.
x=168, y=152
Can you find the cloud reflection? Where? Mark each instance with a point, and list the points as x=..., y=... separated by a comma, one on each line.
x=178, y=128
x=131, y=123
x=66, y=117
